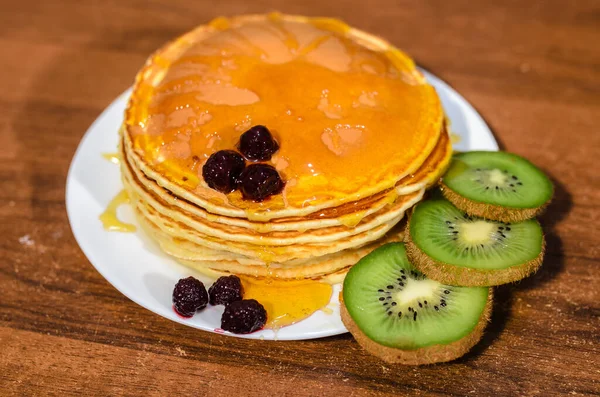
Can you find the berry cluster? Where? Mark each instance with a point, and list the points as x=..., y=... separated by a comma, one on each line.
x=241, y=316
x=226, y=170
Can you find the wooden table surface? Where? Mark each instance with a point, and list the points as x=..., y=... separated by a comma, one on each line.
x=532, y=68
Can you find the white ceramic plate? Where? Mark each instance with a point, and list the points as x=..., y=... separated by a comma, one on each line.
x=135, y=265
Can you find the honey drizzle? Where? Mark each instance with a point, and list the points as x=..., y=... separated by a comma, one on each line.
x=109, y=218
x=353, y=219
x=313, y=45
x=290, y=40
x=248, y=74
x=112, y=157
x=327, y=310
x=287, y=302
x=257, y=50
x=454, y=138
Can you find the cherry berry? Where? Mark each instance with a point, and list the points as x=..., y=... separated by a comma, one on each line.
x=222, y=170
x=260, y=181
x=257, y=144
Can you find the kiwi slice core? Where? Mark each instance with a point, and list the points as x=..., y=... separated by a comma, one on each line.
x=395, y=306
x=496, y=185
x=450, y=246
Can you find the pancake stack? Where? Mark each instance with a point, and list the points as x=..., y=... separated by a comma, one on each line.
x=361, y=137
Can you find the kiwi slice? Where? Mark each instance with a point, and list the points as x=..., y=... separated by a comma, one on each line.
x=454, y=248
x=401, y=316
x=496, y=185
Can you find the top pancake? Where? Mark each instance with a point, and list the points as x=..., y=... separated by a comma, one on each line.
x=351, y=114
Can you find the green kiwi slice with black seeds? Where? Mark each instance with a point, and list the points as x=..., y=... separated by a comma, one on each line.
x=496, y=185
x=401, y=316
x=452, y=247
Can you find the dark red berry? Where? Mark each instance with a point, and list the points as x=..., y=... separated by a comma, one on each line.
x=257, y=144
x=259, y=181
x=189, y=296
x=225, y=290
x=243, y=317
x=222, y=170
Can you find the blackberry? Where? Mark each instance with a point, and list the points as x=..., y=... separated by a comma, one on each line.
x=243, y=317
x=222, y=170
x=189, y=296
x=225, y=290
x=260, y=181
x=257, y=144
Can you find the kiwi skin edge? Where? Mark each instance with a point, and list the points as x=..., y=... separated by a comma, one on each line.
x=490, y=211
x=467, y=276
x=426, y=355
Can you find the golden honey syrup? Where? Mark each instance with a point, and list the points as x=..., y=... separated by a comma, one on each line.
x=454, y=138
x=112, y=157
x=109, y=218
x=350, y=113
x=287, y=302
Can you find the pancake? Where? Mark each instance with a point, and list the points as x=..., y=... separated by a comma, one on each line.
x=361, y=137
x=289, y=237
x=297, y=231
x=350, y=214
x=199, y=93
x=267, y=253
x=331, y=267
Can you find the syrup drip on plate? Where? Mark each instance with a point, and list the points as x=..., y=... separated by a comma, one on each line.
x=109, y=218
x=455, y=138
x=287, y=302
x=112, y=157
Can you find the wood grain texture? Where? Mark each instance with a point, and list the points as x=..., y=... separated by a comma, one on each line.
x=532, y=68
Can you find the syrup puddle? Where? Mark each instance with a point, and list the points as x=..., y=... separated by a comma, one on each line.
x=112, y=157
x=327, y=310
x=454, y=138
x=109, y=218
x=287, y=302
